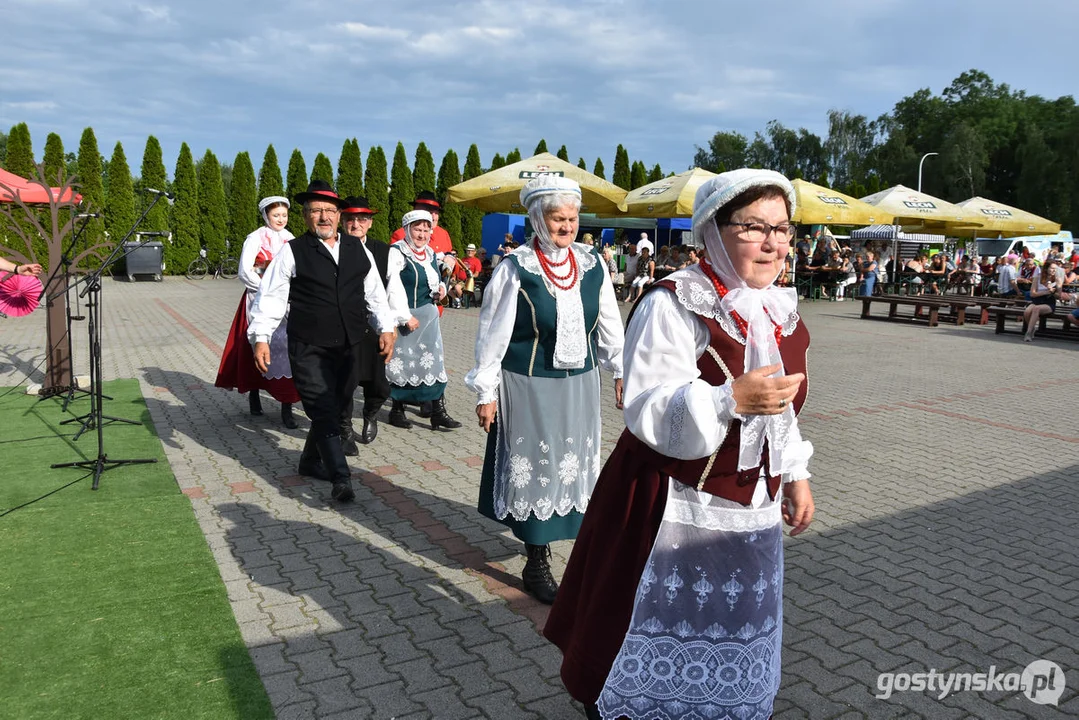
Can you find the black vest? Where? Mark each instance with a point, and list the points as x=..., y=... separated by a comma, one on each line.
x=380, y=251
x=327, y=307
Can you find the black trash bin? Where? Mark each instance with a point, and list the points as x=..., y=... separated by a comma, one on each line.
x=145, y=259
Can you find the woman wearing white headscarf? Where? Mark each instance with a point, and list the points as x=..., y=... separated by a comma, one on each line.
x=417, y=370
x=237, y=369
x=672, y=599
x=550, y=319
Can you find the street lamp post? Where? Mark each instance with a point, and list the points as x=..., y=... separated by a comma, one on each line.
x=920, y=169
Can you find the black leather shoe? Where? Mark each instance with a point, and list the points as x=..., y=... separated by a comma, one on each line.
x=254, y=402
x=310, y=462
x=287, y=418
x=397, y=416
x=336, y=464
x=425, y=410
x=538, y=581
x=370, y=430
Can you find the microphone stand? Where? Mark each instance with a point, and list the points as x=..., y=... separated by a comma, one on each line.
x=93, y=288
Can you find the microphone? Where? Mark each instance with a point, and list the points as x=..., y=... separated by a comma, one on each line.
x=159, y=192
x=86, y=216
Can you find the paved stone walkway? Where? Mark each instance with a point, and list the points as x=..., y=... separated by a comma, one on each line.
x=946, y=475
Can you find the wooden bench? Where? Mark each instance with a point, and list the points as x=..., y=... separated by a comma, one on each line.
x=932, y=303
x=1065, y=331
x=984, y=303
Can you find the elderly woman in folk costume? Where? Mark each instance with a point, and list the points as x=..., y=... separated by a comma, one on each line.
x=549, y=320
x=237, y=369
x=672, y=600
x=417, y=371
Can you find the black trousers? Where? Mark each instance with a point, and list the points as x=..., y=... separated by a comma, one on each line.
x=371, y=372
x=325, y=378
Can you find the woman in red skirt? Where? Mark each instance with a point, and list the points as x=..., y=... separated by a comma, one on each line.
x=237, y=368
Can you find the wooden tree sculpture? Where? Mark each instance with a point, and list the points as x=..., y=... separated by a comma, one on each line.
x=32, y=223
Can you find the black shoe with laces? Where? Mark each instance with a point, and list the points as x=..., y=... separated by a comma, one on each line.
x=538, y=581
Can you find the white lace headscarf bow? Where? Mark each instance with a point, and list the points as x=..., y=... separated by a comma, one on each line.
x=424, y=261
x=758, y=307
x=571, y=345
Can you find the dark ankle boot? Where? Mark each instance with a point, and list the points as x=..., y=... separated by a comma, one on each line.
x=397, y=416
x=425, y=410
x=336, y=464
x=254, y=402
x=441, y=418
x=310, y=462
x=370, y=428
x=287, y=418
x=538, y=581
x=348, y=440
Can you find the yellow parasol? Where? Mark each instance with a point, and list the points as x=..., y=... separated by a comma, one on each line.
x=916, y=210
x=818, y=205
x=666, y=198
x=1000, y=220
x=499, y=190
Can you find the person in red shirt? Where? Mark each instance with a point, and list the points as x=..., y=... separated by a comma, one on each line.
x=467, y=268
x=440, y=239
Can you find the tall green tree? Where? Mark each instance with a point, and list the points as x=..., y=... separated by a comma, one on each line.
x=582, y=164
x=472, y=218
x=3, y=148
x=120, y=198
x=562, y=153
x=541, y=147
x=213, y=208
x=849, y=146
x=55, y=166
x=655, y=174
x=91, y=187
x=295, y=183
x=184, y=220
x=350, y=169
x=153, y=175
x=725, y=151
x=243, y=202
x=378, y=194
x=449, y=174
x=322, y=169
x=638, y=175
x=622, y=171
x=270, y=175
x=513, y=156
x=20, y=152
x=423, y=172
x=498, y=161
x=401, y=191
x=964, y=160
x=597, y=169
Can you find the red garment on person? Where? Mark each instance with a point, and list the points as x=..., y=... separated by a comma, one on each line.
x=440, y=239
x=237, y=368
x=591, y=614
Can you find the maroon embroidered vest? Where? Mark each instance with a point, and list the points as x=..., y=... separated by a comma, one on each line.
x=722, y=478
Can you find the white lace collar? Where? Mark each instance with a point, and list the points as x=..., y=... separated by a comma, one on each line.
x=696, y=294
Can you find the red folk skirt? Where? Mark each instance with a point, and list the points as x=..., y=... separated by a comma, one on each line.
x=237, y=369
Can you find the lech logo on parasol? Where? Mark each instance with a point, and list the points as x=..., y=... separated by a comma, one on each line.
x=996, y=212
x=919, y=204
x=657, y=190
x=540, y=171
x=832, y=200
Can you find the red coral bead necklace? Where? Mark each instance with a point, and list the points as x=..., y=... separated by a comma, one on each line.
x=562, y=282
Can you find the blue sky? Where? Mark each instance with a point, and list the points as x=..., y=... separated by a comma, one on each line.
x=658, y=77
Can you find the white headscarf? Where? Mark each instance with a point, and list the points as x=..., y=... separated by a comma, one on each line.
x=415, y=216
x=758, y=307
x=571, y=340
x=272, y=240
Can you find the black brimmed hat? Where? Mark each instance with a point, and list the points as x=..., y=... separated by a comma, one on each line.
x=320, y=190
x=428, y=200
x=357, y=205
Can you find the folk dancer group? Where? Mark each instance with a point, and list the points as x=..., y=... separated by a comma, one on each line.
x=672, y=598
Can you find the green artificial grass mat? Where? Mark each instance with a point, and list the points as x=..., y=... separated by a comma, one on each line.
x=111, y=604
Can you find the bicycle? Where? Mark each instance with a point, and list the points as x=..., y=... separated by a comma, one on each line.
x=228, y=267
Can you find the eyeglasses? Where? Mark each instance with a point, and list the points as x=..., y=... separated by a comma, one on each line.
x=330, y=212
x=758, y=231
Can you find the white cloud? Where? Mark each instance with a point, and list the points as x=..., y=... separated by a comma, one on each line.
x=370, y=32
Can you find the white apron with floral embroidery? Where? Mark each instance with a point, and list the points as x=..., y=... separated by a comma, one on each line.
x=536, y=472
x=417, y=354
x=706, y=632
